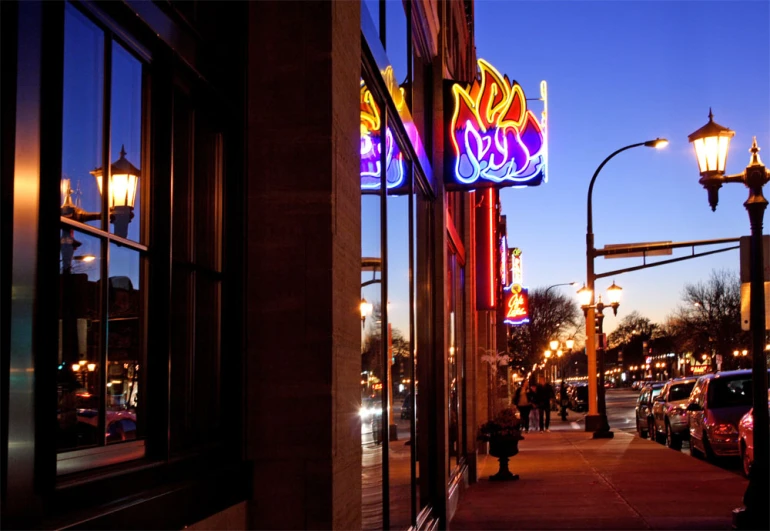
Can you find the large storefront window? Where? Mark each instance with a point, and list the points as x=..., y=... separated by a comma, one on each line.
x=101, y=358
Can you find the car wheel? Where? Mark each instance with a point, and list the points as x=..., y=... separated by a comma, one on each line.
x=693, y=450
x=672, y=441
x=660, y=438
x=745, y=460
x=642, y=433
x=707, y=450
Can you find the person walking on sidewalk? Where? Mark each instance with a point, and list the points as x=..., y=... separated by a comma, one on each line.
x=563, y=400
x=522, y=401
x=543, y=396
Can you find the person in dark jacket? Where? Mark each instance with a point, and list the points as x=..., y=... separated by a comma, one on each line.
x=521, y=399
x=543, y=396
x=564, y=401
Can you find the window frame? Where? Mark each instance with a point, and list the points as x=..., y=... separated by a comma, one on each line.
x=104, y=454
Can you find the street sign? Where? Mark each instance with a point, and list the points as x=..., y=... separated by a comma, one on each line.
x=746, y=306
x=629, y=250
x=746, y=263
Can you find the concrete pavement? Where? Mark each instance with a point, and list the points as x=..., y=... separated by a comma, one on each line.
x=571, y=481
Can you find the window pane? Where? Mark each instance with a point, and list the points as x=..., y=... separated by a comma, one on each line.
x=373, y=429
x=400, y=356
x=78, y=374
x=126, y=144
x=82, y=117
x=396, y=41
x=124, y=344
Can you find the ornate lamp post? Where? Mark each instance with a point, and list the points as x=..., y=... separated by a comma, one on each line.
x=711, y=144
x=602, y=428
x=594, y=419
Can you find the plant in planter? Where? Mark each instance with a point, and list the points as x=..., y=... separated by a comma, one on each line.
x=503, y=435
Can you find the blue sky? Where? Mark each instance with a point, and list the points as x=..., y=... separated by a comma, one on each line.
x=619, y=73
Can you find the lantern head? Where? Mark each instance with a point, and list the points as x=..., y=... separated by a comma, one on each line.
x=711, y=143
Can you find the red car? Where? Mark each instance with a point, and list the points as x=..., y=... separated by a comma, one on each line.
x=746, y=439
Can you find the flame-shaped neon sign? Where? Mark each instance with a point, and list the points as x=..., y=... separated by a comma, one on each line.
x=371, y=148
x=495, y=140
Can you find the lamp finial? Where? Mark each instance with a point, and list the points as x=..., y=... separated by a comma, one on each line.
x=711, y=115
x=755, y=160
x=122, y=151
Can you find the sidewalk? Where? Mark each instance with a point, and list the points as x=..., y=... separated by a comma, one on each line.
x=571, y=481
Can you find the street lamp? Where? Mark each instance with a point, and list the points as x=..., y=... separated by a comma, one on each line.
x=366, y=309
x=601, y=427
x=711, y=144
x=595, y=420
x=124, y=178
x=563, y=284
x=555, y=346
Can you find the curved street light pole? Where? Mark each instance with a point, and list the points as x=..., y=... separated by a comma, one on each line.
x=596, y=420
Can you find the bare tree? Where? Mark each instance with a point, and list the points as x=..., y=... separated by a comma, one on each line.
x=709, y=320
x=552, y=315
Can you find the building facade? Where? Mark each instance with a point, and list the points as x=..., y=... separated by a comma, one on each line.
x=253, y=280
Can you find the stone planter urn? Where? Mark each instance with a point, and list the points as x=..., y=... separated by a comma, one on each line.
x=504, y=447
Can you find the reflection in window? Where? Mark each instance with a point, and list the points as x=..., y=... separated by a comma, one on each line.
x=99, y=382
x=78, y=380
x=371, y=148
x=124, y=356
x=83, y=107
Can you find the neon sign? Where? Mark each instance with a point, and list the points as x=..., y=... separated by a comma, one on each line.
x=495, y=140
x=516, y=305
x=371, y=148
x=516, y=266
x=504, y=260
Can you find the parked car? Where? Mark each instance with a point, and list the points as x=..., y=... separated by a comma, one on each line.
x=643, y=409
x=669, y=412
x=578, y=397
x=746, y=438
x=716, y=405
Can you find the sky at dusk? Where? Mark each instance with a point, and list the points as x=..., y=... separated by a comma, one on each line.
x=619, y=73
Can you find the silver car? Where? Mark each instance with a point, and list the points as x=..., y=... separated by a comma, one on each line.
x=717, y=403
x=669, y=412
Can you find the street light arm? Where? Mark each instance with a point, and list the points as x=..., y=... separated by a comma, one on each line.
x=590, y=221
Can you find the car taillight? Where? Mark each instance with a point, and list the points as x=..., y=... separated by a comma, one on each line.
x=724, y=430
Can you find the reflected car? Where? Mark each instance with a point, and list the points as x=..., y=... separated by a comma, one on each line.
x=746, y=438
x=643, y=411
x=669, y=412
x=407, y=407
x=716, y=406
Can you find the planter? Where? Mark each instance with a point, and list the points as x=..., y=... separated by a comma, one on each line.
x=504, y=448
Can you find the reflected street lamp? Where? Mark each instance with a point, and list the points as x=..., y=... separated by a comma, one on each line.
x=711, y=144
x=595, y=419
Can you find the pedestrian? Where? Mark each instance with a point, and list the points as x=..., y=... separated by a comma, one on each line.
x=523, y=404
x=543, y=396
x=563, y=400
x=534, y=415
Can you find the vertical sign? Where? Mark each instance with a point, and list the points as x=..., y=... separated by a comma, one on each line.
x=486, y=247
x=516, y=271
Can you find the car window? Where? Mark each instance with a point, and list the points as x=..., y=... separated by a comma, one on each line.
x=680, y=391
x=730, y=392
x=699, y=395
x=656, y=392
x=643, y=397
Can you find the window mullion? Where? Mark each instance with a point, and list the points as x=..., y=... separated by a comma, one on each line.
x=105, y=244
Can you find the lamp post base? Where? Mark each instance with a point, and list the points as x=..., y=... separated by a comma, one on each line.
x=596, y=422
x=745, y=518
